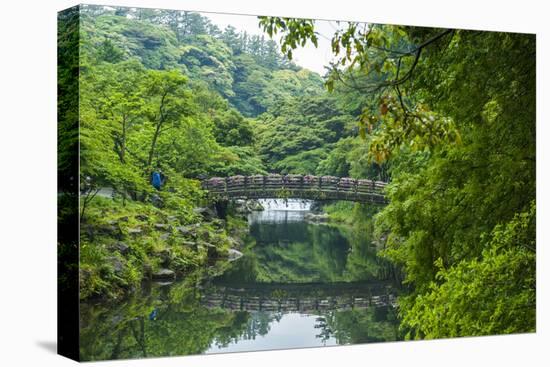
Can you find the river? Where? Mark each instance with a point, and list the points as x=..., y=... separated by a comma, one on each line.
x=298, y=285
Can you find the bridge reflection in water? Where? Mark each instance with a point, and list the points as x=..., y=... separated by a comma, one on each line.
x=296, y=186
x=307, y=298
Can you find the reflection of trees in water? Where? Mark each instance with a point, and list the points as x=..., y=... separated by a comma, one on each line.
x=172, y=321
x=239, y=328
x=293, y=252
x=365, y=326
x=299, y=252
x=259, y=324
x=325, y=332
x=370, y=325
x=180, y=325
x=362, y=261
x=348, y=327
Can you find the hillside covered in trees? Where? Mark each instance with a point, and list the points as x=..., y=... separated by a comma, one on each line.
x=168, y=91
x=446, y=117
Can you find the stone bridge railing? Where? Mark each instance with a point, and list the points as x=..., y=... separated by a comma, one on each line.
x=296, y=186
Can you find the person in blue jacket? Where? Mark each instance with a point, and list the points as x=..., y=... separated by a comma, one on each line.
x=156, y=179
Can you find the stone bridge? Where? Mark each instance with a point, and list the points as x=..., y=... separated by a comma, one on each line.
x=295, y=186
x=297, y=297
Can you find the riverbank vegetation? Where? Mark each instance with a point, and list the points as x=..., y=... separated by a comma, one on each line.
x=447, y=117
x=454, y=119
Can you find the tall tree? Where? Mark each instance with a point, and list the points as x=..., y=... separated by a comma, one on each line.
x=168, y=104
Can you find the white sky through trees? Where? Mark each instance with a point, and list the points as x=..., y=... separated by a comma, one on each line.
x=309, y=57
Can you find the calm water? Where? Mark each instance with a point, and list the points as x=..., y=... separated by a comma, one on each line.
x=298, y=285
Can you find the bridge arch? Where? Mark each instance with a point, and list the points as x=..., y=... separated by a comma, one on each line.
x=295, y=186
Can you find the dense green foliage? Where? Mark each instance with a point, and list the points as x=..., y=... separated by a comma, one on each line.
x=493, y=294
x=454, y=120
x=245, y=69
x=314, y=135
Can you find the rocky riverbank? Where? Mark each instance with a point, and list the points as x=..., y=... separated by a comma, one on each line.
x=123, y=245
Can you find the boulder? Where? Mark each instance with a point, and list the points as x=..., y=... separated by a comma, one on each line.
x=165, y=256
x=233, y=254
x=164, y=283
x=218, y=223
x=122, y=247
x=316, y=207
x=211, y=250
x=134, y=231
x=117, y=265
x=254, y=205
x=243, y=209
x=207, y=213
x=157, y=201
x=164, y=274
x=188, y=231
x=316, y=218
x=241, y=206
x=108, y=230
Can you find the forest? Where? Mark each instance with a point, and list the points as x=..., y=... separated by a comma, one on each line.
x=445, y=116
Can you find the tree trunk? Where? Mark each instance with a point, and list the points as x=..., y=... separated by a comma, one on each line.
x=153, y=145
x=123, y=141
